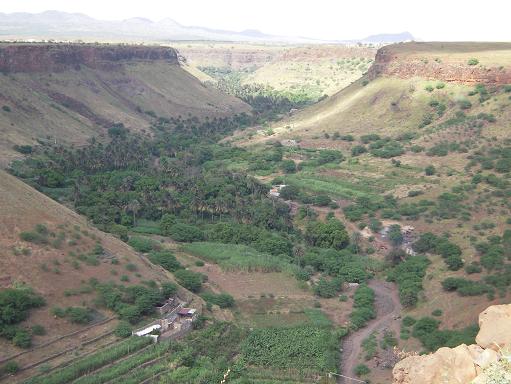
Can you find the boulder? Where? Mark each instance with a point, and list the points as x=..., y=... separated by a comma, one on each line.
x=446, y=366
x=495, y=327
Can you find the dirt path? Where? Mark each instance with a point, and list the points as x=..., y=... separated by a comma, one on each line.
x=388, y=309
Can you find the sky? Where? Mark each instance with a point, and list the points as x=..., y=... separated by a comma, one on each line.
x=446, y=20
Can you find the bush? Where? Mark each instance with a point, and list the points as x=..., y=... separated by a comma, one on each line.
x=473, y=61
x=363, y=304
x=327, y=289
x=38, y=330
x=288, y=166
x=189, y=279
x=395, y=236
x=166, y=259
x=223, y=300
x=123, y=329
x=185, y=233
x=408, y=321
x=289, y=192
x=330, y=234
x=465, y=104
x=10, y=368
x=437, y=312
x=473, y=268
x=358, y=150
x=408, y=275
x=362, y=369
x=78, y=315
x=166, y=223
x=466, y=287
x=430, y=170
x=142, y=244
x=22, y=339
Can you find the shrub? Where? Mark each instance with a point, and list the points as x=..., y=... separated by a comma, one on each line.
x=437, y=312
x=363, y=304
x=430, y=170
x=189, y=279
x=6, y=108
x=289, y=192
x=330, y=234
x=38, y=330
x=358, y=150
x=185, y=233
x=166, y=259
x=22, y=339
x=429, y=88
x=408, y=321
x=166, y=223
x=394, y=234
x=10, y=368
x=473, y=61
x=327, y=289
x=223, y=300
x=408, y=275
x=473, y=268
x=362, y=369
x=78, y=315
x=123, y=329
x=465, y=104
x=288, y=166
x=141, y=244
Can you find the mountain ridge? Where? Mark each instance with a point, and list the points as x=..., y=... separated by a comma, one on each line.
x=62, y=25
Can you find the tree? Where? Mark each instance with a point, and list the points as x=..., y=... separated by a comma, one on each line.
x=289, y=192
x=166, y=223
x=395, y=256
x=395, y=235
x=288, y=166
x=330, y=234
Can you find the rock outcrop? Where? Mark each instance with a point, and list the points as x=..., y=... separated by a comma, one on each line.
x=495, y=327
x=441, y=62
x=42, y=57
x=465, y=364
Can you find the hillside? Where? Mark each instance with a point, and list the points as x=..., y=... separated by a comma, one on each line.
x=394, y=95
x=69, y=93
x=60, y=269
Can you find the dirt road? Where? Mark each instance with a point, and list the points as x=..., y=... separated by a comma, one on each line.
x=388, y=309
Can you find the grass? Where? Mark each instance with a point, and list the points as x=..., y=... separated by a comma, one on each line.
x=147, y=227
x=236, y=257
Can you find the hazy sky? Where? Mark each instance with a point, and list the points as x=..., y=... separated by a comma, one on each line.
x=336, y=19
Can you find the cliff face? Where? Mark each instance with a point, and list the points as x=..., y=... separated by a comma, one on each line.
x=32, y=58
x=478, y=363
x=444, y=62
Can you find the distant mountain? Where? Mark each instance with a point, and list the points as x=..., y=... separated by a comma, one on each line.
x=76, y=26
x=388, y=38
x=73, y=26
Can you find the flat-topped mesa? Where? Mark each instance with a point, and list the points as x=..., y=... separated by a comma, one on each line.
x=32, y=58
x=488, y=63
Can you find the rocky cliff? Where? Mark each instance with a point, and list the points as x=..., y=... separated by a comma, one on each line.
x=451, y=62
x=485, y=362
x=60, y=57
